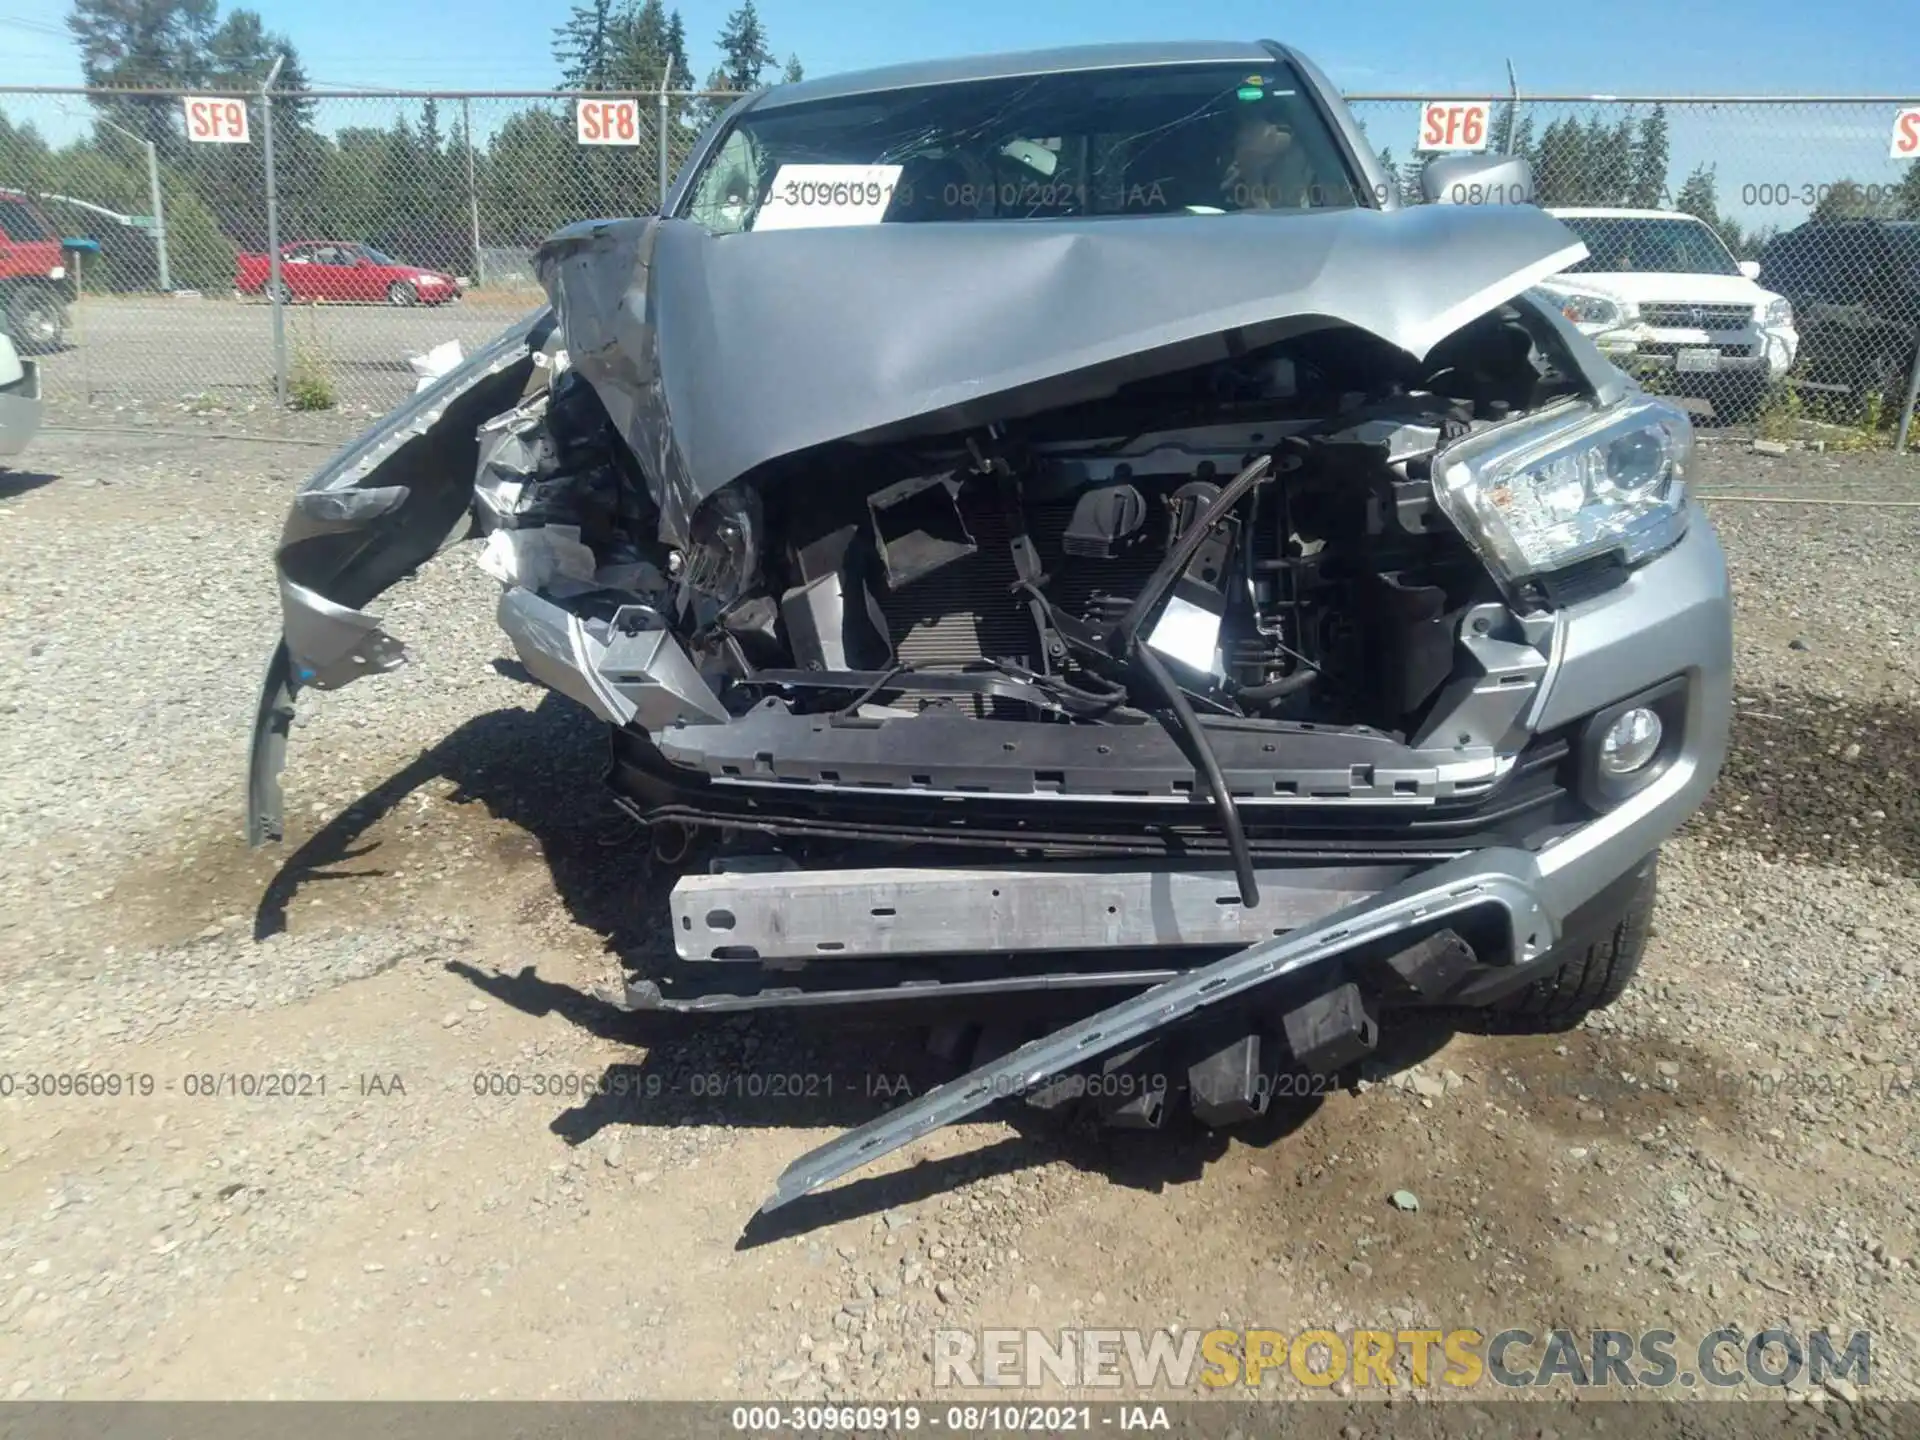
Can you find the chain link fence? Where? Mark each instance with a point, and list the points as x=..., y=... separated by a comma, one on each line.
x=406, y=220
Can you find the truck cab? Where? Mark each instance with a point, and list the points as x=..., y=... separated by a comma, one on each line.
x=34, y=286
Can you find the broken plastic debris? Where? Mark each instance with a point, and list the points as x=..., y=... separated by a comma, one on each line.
x=435, y=363
x=537, y=559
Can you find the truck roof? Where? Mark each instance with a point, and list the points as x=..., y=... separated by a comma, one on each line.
x=1007, y=64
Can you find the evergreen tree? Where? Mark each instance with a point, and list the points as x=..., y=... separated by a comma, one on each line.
x=1907, y=193
x=1699, y=196
x=793, y=74
x=583, y=47
x=1647, y=186
x=744, y=54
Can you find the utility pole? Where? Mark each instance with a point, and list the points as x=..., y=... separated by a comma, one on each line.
x=273, y=237
x=159, y=231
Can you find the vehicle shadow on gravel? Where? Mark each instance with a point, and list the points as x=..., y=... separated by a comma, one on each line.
x=18, y=482
x=1820, y=779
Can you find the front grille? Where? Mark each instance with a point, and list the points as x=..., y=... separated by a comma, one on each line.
x=1697, y=317
x=1533, y=800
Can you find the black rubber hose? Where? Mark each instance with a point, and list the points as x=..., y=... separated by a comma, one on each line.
x=1181, y=552
x=1276, y=689
x=1210, y=767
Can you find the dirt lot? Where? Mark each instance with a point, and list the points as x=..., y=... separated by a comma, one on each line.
x=148, y=359
x=1735, y=1144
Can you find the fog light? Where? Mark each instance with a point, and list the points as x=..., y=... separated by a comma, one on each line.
x=1630, y=742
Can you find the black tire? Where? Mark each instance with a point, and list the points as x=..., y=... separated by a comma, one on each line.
x=1600, y=964
x=285, y=294
x=401, y=293
x=1740, y=399
x=36, y=321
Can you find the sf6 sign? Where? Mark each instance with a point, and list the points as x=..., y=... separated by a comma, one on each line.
x=1454, y=125
x=607, y=122
x=1906, y=135
x=216, y=120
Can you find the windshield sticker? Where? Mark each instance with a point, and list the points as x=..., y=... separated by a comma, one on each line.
x=807, y=197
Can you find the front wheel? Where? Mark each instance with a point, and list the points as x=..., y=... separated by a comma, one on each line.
x=36, y=319
x=401, y=293
x=281, y=292
x=1600, y=963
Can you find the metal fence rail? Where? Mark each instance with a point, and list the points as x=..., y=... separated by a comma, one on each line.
x=171, y=306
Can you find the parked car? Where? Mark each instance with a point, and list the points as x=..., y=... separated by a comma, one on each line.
x=34, y=288
x=1661, y=293
x=1218, y=586
x=19, y=399
x=343, y=270
x=1856, y=286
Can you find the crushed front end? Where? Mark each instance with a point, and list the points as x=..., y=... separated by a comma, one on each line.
x=1279, y=632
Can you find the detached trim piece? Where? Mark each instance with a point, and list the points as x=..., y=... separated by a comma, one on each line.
x=851, y=914
x=1504, y=877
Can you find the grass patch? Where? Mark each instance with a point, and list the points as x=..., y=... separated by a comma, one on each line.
x=309, y=378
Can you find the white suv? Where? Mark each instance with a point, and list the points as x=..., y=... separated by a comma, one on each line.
x=1660, y=292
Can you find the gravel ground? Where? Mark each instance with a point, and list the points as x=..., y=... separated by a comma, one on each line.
x=360, y=1143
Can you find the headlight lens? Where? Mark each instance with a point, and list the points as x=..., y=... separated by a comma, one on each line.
x=1594, y=310
x=1549, y=492
x=1778, y=315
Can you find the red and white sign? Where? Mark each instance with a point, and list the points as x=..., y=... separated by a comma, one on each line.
x=216, y=119
x=1454, y=125
x=607, y=122
x=1906, y=135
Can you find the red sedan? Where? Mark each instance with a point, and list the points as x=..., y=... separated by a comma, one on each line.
x=343, y=270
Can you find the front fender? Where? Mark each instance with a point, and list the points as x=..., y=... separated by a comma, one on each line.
x=372, y=515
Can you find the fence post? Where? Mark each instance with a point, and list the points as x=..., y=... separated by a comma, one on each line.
x=660, y=204
x=473, y=193
x=273, y=237
x=1906, y=411
x=1513, y=109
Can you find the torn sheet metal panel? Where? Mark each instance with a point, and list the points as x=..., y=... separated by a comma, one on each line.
x=1499, y=876
x=717, y=354
x=847, y=914
x=383, y=505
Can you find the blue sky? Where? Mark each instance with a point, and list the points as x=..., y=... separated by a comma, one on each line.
x=1630, y=45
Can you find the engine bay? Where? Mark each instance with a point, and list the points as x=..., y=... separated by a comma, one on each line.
x=1016, y=570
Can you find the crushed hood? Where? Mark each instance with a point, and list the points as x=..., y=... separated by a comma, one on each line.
x=715, y=354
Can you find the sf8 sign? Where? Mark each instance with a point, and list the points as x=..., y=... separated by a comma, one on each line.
x=1454, y=125
x=216, y=120
x=607, y=122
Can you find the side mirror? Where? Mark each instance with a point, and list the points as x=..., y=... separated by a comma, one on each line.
x=1477, y=180
x=1750, y=269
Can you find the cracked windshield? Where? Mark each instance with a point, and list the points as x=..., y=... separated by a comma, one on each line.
x=1205, y=139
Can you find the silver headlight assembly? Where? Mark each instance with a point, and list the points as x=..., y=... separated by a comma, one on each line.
x=1572, y=484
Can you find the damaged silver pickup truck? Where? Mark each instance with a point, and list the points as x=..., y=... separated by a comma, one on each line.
x=1061, y=522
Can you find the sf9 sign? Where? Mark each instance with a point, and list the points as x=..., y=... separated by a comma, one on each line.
x=607, y=122
x=216, y=120
x=1447, y=125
